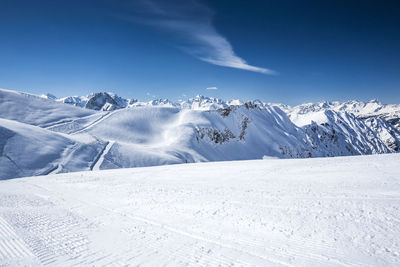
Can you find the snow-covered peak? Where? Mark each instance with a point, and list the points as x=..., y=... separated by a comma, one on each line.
x=302, y=119
x=105, y=101
x=372, y=108
x=78, y=101
x=48, y=96
x=358, y=108
x=201, y=102
x=235, y=102
x=109, y=101
x=36, y=110
x=97, y=101
x=161, y=102
x=165, y=132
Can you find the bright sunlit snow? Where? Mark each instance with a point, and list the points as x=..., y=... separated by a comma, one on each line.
x=199, y=133
x=341, y=211
x=39, y=135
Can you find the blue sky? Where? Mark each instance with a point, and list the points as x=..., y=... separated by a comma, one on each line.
x=278, y=51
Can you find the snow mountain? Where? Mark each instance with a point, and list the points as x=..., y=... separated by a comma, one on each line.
x=97, y=101
x=371, y=109
x=105, y=131
x=382, y=119
x=341, y=133
x=39, y=111
x=27, y=150
x=110, y=101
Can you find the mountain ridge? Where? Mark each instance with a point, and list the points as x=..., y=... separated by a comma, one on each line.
x=362, y=109
x=111, y=132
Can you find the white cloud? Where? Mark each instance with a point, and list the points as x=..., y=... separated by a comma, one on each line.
x=191, y=22
x=212, y=88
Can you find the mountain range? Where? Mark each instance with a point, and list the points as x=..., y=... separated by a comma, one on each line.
x=45, y=134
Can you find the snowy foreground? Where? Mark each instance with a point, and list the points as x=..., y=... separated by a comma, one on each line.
x=342, y=211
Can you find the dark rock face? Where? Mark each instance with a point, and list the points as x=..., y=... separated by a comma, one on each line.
x=395, y=122
x=103, y=101
x=214, y=135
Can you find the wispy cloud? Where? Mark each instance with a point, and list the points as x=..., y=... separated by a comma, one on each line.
x=212, y=88
x=191, y=23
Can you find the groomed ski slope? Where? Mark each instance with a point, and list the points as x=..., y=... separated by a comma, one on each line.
x=341, y=211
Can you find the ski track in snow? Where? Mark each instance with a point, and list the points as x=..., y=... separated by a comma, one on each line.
x=100, y=160
x=42, y=136
x=56, y=169
x=97, y=121
x=305, y=212
x=11, y=245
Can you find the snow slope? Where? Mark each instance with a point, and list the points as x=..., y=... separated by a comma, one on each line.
x=341, y=211
x=358, y=108
x=373, y=108
x=110, y=101
x=112, y=132
x=37, y=110
x=200, y=102
x=341, y=133
x=156, y=135
x=27, y=150
x=385, y=132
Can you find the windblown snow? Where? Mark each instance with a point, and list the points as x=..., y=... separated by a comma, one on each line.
x=44, y=134
x=341, y=211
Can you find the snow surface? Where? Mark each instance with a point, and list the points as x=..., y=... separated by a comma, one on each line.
x=36, y=110
x=373, y=108
x=200, y=102
x=27, y=150
x=341, y=211
x=180, y=135
x=40, y=135
x=360, y=109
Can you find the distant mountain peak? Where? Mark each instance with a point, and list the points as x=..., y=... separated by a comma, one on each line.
x=48, y=96
x=166, y=132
